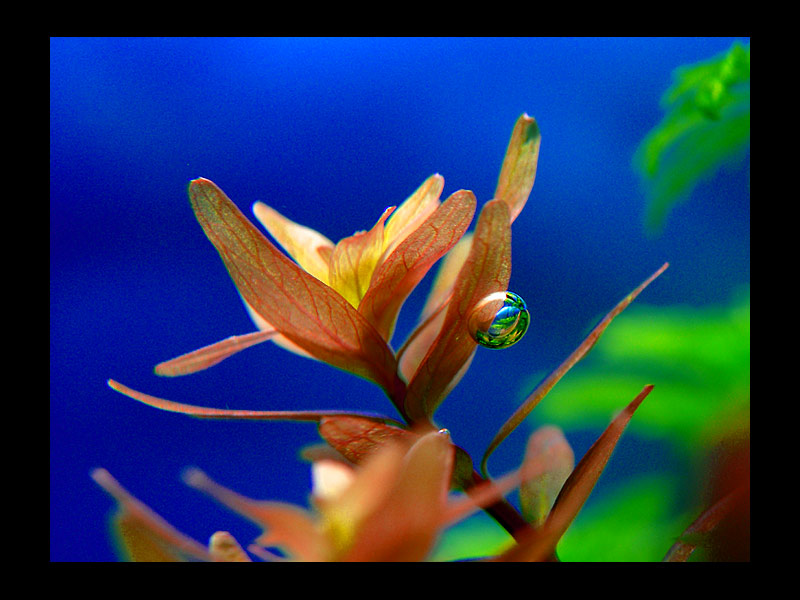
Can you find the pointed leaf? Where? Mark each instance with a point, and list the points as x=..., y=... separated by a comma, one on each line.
x=285, y=525
x=487, y=270
x=354, y=260
x=203, y=412
x=701, y=527
x=413, y=211
x=299, y=306
x=541, y=543
x=519, y=165
x=309, y=248
x=146, y=536
x=208, y=356
x=545, y=386
x=442, y=288
x=413, y=350
x=403, y=269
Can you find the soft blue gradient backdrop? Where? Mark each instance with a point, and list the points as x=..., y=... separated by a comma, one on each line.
x=330, y=132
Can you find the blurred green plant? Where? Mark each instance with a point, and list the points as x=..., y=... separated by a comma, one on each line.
x=700, y=358
x=707, y=124
x=629, y=525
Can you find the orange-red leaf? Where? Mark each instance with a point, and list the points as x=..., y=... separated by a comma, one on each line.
x=405, y=526
x=702, y=526
x=208, y=356
x=204, y=412
x=519, y=165
x=285, y=525
x=403, y=269
x=486, y=270
x=144, y=535
x=541, y=543
x=545, y=386
x=302, y=308
x=357, y=438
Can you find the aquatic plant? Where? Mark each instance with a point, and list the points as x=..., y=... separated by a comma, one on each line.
x=706, y=125
x=382, y=484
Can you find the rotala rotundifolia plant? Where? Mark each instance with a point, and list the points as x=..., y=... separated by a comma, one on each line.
x=382, y=485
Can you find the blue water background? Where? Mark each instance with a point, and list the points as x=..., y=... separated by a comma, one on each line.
x=330, y=132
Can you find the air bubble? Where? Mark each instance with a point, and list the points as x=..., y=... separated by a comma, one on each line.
x=499, y=320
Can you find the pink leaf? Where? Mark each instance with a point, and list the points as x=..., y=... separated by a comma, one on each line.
x=208, y=356
x=204, y=412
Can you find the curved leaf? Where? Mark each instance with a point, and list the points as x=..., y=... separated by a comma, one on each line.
x=403, y=269
x=545, y=386
x=309, y=248
x=540, y=544
x=357, y=438
x=302, y=308
x=285, y=525
x=144, y=535
x=519, y=165
x=486, y=270
x=208, y=356
x=204, y=412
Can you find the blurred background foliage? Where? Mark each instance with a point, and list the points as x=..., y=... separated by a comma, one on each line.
x=697, y=357
x=707, y=125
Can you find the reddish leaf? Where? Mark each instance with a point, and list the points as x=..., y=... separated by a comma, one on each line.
x=404, y=268
x=309, y=248
x=405, y=526
x=701, y=527
x=208, y=356
x=302, y=308
x=204, y=412
x=357, y=438
x=486, y=270
x=545, y=386
x=541, y=543
x=519, y=165
x=285, y=525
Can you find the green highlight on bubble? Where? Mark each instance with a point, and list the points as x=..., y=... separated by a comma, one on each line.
x=508, y=325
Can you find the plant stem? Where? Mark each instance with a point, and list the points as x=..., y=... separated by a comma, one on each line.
x=503, y=512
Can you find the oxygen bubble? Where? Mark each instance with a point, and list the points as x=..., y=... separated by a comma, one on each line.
x=499, y=320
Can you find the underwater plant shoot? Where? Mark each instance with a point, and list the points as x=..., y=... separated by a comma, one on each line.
x=323, y=300
x=385, y=486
